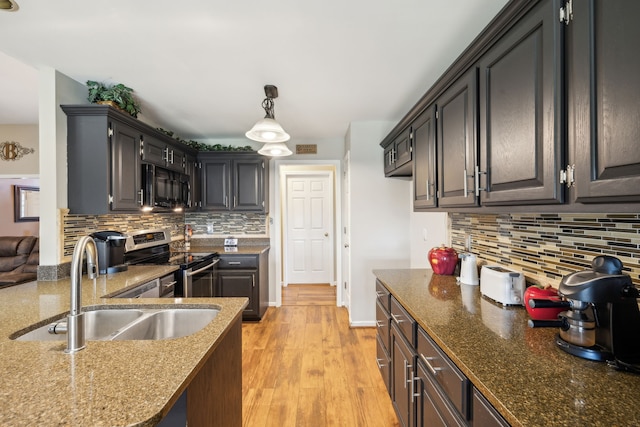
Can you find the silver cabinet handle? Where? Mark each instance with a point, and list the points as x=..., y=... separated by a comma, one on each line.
x=234, y=263
x=466, y=190
x=397, y=318
x=380, y=294
x=170, y=157
x=478, y=188
x=379, y=324
x=380, y=365
x=141, y=193
x=200, y=270
x=253, y=280
x=426, y=360
x=428, y=190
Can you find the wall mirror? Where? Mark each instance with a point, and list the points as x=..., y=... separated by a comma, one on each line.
x=26, y=203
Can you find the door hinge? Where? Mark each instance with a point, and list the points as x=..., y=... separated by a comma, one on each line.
x=566, y=12
x=567, y=176
x=110, y=132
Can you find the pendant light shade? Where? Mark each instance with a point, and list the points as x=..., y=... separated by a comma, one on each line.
x=275, y=149
x=8, y=5
x=268, y=130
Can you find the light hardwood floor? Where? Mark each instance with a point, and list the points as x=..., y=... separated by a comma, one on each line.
x=304, y=366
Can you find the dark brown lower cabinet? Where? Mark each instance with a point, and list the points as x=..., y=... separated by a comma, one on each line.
x=425, y=386
x=432, y=407
x=245, y=275
x=402, y=369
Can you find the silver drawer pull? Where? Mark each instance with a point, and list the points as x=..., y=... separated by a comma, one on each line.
x=434, y=371
x=234, y=263
x=380, y=294
x=397, y=318
x=380, y=365
x=379, y=324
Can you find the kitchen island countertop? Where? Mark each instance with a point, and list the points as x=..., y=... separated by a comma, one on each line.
x=132, y=383
x=518, y=369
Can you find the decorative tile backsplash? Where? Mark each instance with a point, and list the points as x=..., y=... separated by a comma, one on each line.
x=228, y=223
x=76, y=226
x=545, y=247
x=221, y=224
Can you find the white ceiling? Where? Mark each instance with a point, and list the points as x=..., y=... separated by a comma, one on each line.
x=199, y=67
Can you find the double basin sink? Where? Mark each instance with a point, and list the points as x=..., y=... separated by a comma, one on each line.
x=130, y=323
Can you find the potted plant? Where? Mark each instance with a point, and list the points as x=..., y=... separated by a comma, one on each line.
x=117, y=95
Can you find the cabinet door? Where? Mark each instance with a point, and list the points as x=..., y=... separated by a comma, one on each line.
x=125, y=168
x=521, y=112
x=484, y=414
x=194, y=170
x=215, y=184
x=402, y=362
x=240, y=284
x=604, y=89
x=423, y=132
x=176, y=159
x=398, y=155
x=248, y=185
x=153, y=150
x=457, y=142
x=432, y=406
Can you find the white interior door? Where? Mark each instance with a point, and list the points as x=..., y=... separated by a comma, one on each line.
x=309, y=228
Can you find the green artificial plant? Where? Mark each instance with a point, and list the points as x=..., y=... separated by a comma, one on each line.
x=119, y=94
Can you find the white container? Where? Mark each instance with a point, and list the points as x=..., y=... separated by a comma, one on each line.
x=469, y=269
x=502, y=285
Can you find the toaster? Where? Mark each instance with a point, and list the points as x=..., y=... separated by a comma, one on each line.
x=502, y=285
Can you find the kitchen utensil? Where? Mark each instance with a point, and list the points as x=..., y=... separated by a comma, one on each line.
x=603, y=319
x=469, y=269
x=502, y=285
x=547, y=303
x=443, y=260
x=110, y=245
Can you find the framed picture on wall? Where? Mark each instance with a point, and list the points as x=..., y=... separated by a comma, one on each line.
x=26, y=203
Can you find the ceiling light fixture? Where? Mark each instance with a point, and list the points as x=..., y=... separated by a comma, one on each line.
x=8, y=5
x=269, y=131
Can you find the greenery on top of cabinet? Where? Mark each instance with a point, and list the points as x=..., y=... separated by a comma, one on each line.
x=200, y=146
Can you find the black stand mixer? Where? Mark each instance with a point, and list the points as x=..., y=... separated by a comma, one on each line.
x=602, y=322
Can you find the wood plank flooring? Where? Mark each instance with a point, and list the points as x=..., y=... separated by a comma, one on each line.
x=304, y=366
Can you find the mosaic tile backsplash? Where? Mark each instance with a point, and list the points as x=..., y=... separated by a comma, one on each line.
x=207, y=223
x=546, y=247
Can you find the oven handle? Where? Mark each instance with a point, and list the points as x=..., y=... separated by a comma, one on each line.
x=200, y=270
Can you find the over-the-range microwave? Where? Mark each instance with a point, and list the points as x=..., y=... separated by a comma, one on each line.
x=164, y=190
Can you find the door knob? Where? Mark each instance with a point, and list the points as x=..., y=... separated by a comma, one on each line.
x=326, y=234
x=346, y=245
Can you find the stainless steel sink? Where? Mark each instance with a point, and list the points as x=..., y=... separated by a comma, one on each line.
x=107, y=324
x=165, y=324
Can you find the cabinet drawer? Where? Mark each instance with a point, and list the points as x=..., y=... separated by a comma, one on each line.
x=453, y=382
x=382, y=324
x=433, y=408
x=405, y=322
x=383, y=360
x=383, y=296
x=484, y=414
x=238, y=261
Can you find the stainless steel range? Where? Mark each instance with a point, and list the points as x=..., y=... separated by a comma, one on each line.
x=197, y=274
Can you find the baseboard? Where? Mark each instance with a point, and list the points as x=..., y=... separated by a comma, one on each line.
x=363, y=324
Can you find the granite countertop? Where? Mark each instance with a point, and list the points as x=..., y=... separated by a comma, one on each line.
x=518, y=369
x=132, y=383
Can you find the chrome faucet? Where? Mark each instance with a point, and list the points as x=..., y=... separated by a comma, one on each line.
x=75, y=320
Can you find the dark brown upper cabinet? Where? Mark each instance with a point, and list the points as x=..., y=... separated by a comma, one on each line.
x=521, y=113
x=398, y=156
x=423, y=134
x=603, y=69
x=457, y=142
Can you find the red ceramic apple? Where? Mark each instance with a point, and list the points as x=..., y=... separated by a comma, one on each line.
x=546, y=293
x=443, y=260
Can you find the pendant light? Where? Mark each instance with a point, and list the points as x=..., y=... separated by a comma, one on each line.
x=8, y=5
x=269, y=131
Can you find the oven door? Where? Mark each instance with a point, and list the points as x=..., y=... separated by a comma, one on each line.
x=199, y=280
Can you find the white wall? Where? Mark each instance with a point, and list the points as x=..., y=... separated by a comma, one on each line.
x=54, y=89
x=379, y=236
x=426, y=230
